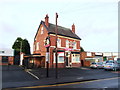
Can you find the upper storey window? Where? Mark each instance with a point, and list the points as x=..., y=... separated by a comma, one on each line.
x=67, y=44
x=37, y=45
x=74, y=45
x=59, y=42
x=42, y=30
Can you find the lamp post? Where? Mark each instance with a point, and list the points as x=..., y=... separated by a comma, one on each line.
x=21, y=57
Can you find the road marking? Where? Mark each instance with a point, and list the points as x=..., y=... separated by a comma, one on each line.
x=44, y=86
x=85, y=68
x=33, y=75
x=80, y=78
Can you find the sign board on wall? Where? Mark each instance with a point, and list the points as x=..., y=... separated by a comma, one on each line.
x=98, y=53
x=110, y=54
x=47, y=42
x=89, y=54
x=47, y=56
x=115, y=54
x=68, y=49
x=106, y=54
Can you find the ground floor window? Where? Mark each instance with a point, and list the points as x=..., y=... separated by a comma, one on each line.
x=60, y=57
x=75, y=58
x=4, y=59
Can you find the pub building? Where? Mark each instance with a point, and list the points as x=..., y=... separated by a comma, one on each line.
x=68, y=46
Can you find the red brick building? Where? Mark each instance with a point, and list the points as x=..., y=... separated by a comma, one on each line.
x=88, y=57
x=5, y=60
x=68, y=46
x=6, y=57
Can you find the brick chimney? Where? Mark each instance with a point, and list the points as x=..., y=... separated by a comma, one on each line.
x=47, y=20
x=73, y=28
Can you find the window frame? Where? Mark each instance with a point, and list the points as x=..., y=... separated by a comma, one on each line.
x=74, y=45
x=38, y=46
x=42, y=30
x=59, y=42
x=67, y=43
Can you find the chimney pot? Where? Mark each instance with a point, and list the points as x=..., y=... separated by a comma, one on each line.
x=73, y=28
x=47, y=20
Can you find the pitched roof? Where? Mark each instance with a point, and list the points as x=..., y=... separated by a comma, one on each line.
x=61, y=31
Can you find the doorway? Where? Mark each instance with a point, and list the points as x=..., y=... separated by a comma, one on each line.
x=82, y=63
x=67, y=60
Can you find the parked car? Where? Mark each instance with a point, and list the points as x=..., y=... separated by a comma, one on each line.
x=110, y=61
x=111, y=65
x=118, y=62
x=103, y=63
x=96, y=65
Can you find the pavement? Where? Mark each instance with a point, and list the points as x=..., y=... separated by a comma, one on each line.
x=16, y=76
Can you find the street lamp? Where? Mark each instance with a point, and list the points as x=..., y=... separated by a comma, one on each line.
x=21, y=55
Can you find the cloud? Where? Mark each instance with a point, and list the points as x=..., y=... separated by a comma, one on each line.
x=6, y=28
x=95, y=22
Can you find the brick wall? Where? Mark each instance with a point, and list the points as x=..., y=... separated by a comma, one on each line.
x=10, y=60
x=40, y=38
x=82, y=55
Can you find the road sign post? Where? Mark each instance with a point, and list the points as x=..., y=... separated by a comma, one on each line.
x=47, y=45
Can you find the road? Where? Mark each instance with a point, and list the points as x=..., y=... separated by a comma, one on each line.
x=15, y=78
x=14, y=74
x=101, y=83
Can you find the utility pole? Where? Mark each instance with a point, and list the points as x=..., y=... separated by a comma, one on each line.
x=56, y=32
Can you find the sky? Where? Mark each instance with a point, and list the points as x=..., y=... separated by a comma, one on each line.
x=96, y=21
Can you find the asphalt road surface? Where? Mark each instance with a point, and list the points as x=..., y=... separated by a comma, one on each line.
x=100, y=84
x=16, y=78
x=15, y=74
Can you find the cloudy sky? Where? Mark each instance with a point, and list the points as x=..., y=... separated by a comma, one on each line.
x=96, y=21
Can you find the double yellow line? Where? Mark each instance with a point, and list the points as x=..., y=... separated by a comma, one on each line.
x=44, y=86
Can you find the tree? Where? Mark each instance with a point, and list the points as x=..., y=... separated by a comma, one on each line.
x=82, y=50
x=17, y=46
x=21, y=44
x=26, y=46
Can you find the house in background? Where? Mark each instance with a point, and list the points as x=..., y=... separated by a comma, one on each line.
x=6, y=56
x=110, y=55
x=68, y=44
x=88, y=57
